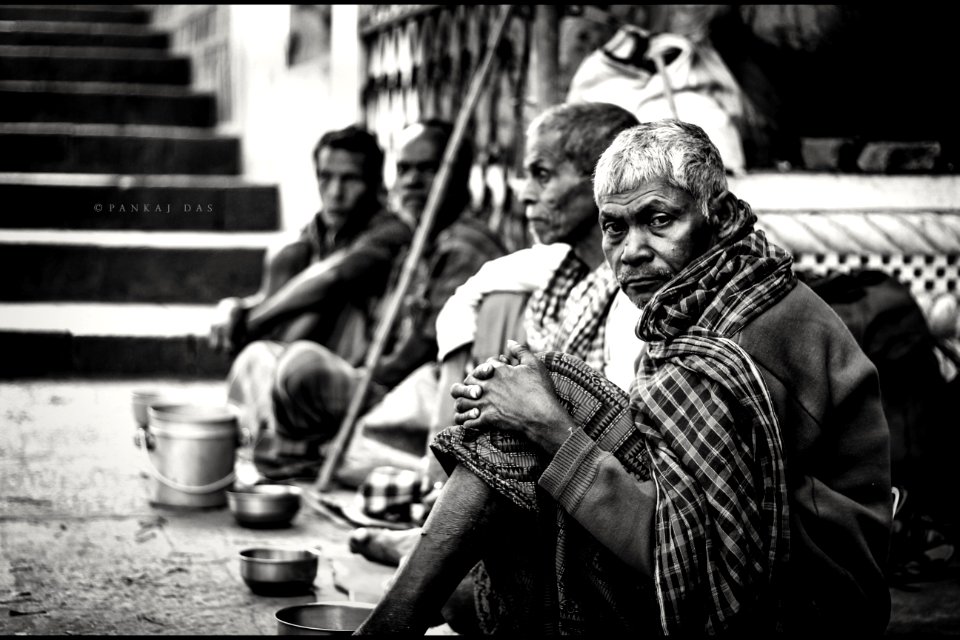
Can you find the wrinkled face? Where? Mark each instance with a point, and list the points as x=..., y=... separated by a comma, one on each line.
x=650, y=234
x=418, y=162
x=558, y=198
x=343, y=188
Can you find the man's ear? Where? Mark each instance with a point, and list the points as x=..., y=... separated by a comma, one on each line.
x=727, y=214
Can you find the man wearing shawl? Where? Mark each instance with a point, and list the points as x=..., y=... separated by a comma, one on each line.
x=744, y=484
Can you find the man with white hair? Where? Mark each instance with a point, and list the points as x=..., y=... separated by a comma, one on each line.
x=742, y=487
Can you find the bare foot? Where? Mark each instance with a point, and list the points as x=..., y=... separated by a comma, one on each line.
x=385, y=546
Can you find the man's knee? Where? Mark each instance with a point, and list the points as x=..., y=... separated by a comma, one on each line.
x=302, y=363
x=301, y=371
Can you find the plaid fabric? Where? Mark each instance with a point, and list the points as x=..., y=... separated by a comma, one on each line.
x=388, y=493
x=542, y=316
x=721, y=526
x=581, y=332
x=724, y=481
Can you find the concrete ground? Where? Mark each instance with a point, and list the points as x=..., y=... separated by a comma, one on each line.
x=83, y=552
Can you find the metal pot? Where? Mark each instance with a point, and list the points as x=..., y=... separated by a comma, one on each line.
x=264, y=505
x=142, y=399
x=322, y=618
x=278, y=572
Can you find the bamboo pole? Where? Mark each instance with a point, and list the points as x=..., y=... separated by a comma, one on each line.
x=437, y=192
x=546, y=42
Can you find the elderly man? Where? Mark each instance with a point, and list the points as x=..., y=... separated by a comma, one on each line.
x=557, y=290
x=744, y=485
x=313, y=385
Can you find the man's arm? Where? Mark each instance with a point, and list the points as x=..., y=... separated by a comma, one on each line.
x=522, y=271
x=453, y=265
x=280, y=265
x=590, y=484
x=364, y=266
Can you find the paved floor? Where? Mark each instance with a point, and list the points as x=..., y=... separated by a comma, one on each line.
x=83, y=552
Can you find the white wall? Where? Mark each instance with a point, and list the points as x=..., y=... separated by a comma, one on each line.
x=281, y=111
x=278, y=112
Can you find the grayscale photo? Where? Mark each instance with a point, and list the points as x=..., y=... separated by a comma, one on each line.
x=437, y=319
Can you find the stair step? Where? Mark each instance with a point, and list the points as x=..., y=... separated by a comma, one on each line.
x=57, y=354
x=70, y=201
x=31, y=101
x=107, y=339
x=802, y=191
x=103, y=319
x=79, y=34
x=118, y=149
x=75, y=13
x=128, y=266
x=40, y=339
x=93, y=64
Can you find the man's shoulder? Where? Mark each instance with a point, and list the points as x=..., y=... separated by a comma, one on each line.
x=800, y=332
x=385, y=225
x=536, y=256
x=801, y=309
x=468, y=233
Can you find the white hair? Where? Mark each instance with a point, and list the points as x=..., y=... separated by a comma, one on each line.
x=678, y=152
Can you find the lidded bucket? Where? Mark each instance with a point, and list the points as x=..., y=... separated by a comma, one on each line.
x=190, y=454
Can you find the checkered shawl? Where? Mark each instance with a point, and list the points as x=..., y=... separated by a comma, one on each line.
x=581, y=331
x=542, y=315
x=721, y=525
x=722, y=528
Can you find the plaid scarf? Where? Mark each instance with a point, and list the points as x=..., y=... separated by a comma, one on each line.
x=581, y=331
x=542, y=316
x=721, y=525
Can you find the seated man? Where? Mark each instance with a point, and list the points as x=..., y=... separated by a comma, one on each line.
x=341, y=259
x=549, y=284
x=325, y=285
x=742, y=487
x=313, y=385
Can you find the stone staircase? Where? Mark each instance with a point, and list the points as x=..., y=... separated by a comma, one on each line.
x=124, y=215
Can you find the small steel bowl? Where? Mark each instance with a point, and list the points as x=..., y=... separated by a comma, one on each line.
x=264, y=505
x=278, y=572
x=322, y=618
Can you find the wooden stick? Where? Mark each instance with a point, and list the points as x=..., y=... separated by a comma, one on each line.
x=437, y=192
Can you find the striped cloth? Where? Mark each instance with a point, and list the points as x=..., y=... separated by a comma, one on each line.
x=542, y=316
x=581, y=330
x=721, y=525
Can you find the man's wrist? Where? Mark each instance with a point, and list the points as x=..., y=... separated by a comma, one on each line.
x=551, y=437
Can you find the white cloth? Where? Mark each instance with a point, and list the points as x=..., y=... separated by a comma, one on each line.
x=525, y=270
x=621, y=346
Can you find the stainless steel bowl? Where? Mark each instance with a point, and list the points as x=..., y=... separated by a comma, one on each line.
x=278, y=572
x=264, y=505
x=322, y=618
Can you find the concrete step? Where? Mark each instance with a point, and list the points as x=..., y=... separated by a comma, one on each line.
x=101, y=102
x=80, y=34
x=93, y=64
x=119, y=14
x=143, y=203
x=116, y=149
x=130, y=266
x=808, y=191
x=107, y=339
